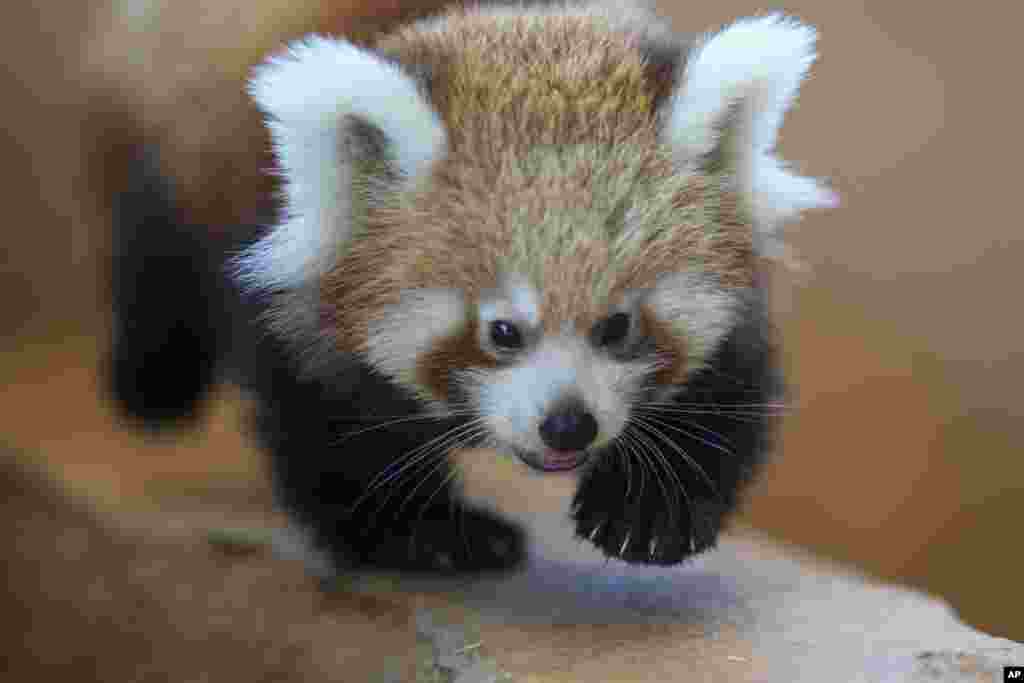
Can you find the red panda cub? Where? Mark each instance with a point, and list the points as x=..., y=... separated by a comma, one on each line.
x=534, y=230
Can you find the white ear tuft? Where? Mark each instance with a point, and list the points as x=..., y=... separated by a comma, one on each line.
x=737, y=86
x=315, y=96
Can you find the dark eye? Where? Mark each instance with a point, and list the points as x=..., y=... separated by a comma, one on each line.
x=614, y=330
x=505, y=335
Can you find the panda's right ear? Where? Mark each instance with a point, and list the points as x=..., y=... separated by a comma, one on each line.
x=344, y=122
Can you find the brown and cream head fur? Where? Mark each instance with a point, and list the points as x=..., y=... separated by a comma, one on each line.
x=531, y=212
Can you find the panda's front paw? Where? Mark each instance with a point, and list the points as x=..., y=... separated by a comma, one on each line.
x=645, y=535
x=468, y=542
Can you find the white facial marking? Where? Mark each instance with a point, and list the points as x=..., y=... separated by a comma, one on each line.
x=401, y=334
x=514, y=401
x=514, y=299
x=524, y=299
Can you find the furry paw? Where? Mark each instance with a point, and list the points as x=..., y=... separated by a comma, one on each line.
x=643, y=536
x=469, y=542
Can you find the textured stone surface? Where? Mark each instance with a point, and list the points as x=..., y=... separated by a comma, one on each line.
x=753, y=610
x=198, y=580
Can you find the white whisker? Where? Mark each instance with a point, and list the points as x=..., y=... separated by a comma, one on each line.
x=686, y=456
x=672, y=499
x=458, y=436
x=413, y=459
x=674, y=428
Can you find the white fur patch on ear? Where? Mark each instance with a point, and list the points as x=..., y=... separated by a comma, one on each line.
x=738, y=84
x=311, y=95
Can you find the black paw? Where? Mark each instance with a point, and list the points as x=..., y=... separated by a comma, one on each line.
x=467, y=542
x=640, y=535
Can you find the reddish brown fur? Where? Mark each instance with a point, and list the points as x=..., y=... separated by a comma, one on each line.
x=460, y=350
x=456, y=229
x=669, y=347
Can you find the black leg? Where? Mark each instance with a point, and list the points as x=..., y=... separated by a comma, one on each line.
x=355, y=481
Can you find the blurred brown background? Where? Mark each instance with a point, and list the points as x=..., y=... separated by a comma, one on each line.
x=905, y=345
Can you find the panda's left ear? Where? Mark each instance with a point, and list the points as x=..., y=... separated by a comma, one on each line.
x=728, y=106
x=346, y=124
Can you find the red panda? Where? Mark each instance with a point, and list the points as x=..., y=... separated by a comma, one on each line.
x=531, y=229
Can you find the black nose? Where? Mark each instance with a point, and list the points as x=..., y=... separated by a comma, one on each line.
x=569, y=428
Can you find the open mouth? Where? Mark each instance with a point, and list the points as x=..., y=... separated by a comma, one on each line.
x=553, y=461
